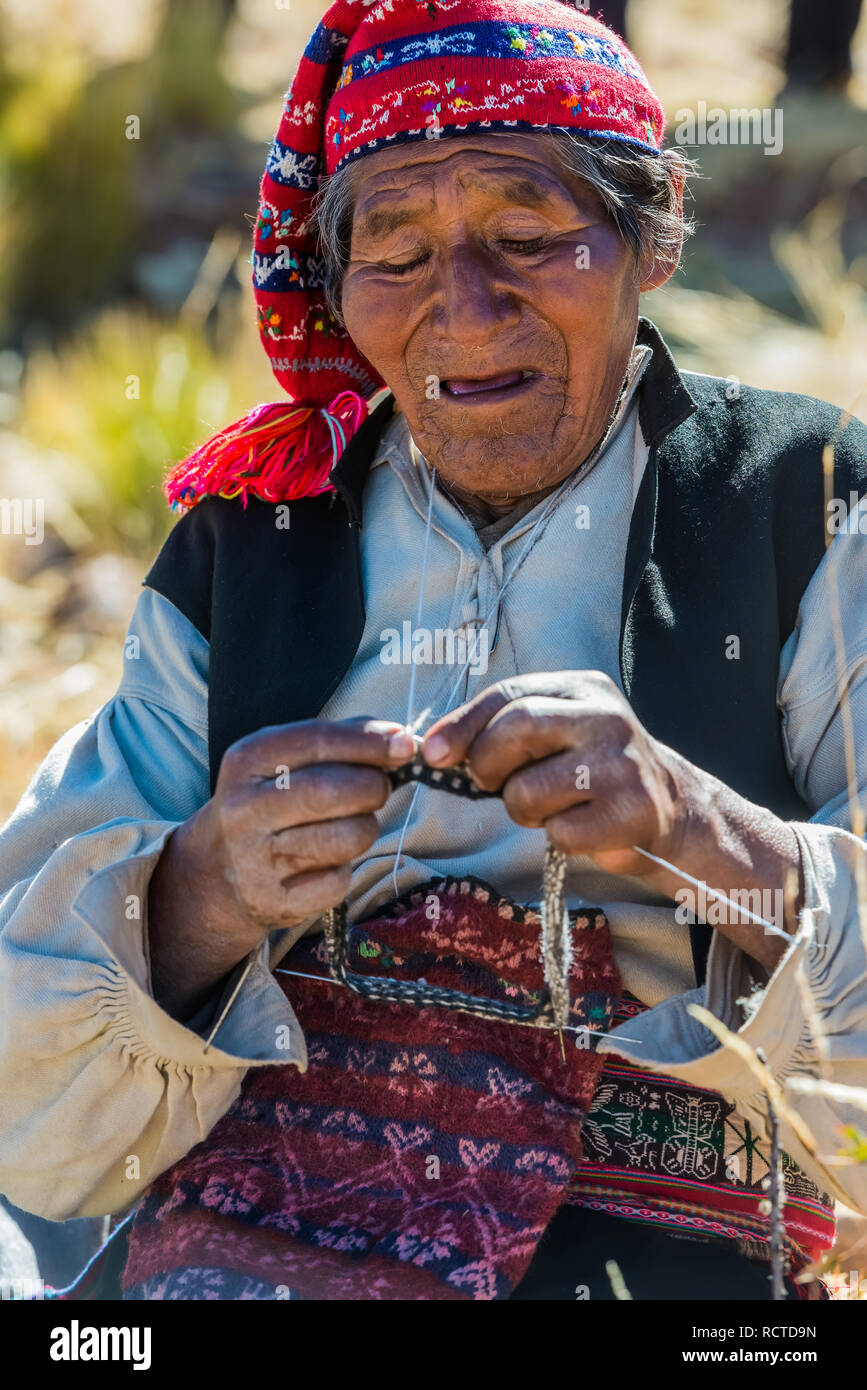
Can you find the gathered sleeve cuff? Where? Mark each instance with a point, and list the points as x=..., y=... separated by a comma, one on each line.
x=88, y=1054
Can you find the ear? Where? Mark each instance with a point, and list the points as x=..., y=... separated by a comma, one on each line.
x=656, y=270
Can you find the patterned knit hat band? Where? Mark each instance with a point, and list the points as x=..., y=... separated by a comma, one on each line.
x=408, y=71
x=524, y=66
x=370, y=77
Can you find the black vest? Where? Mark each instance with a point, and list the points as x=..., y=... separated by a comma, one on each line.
x=727, y=530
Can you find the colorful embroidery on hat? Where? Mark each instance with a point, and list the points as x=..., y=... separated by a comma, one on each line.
x=526, y=42
x=489, y=39
x=325, y=323
x=398, y=71
x=270, y=320
x=457, y=41
x=287, y=270
x=271, y=221
x=495, y=110
x=372, y=62
x=325, y=43
x=289, y=167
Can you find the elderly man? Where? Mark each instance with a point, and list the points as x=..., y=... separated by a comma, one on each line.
x=343, y=1013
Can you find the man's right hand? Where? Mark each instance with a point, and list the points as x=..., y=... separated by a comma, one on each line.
x=293, y=806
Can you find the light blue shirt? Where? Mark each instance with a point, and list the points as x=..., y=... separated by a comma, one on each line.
x=93, y=1072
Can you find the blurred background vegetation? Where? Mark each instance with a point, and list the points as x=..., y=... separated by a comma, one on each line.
x=132, y=139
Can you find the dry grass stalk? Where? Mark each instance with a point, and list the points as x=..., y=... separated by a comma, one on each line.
x=856, y=811
x=814, y=1021
x=775, y=1186
x=808, y=1001
x=617, y=1282
x=832, y=1090
x=769, y=1085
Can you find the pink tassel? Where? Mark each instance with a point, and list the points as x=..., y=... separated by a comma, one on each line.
x=279, y=452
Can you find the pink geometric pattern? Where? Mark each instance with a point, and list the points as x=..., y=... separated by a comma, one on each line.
x=424, y=1151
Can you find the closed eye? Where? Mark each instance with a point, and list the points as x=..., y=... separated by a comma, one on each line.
x=524, y=248
x=391, y=269
x=512, y=245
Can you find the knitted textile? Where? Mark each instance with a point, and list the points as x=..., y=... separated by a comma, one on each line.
x=371, y=77
x=680, y=1158
x=424, y=1151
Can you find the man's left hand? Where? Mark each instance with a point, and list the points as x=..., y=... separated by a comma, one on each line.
x=568, y=753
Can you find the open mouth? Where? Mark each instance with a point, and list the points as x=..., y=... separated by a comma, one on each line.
x=488, y=388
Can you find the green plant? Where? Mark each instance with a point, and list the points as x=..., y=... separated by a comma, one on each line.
x=126, y=397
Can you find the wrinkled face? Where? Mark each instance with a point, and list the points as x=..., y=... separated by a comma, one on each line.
x=497, y=300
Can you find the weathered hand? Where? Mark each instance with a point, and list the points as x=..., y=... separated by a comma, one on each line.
x=293, y=806
x=568, y=753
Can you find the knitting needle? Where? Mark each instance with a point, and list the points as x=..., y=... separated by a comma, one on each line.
x=229, y=1002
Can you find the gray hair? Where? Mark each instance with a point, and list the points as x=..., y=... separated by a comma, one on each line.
x=638, y=190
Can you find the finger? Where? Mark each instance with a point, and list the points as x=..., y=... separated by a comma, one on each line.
x=541, y=789
x=316, y=891
x=288, y=747
x=275, y=903
x=324, y=792
x=597, y=826
x=325, y=844
x=526, y=730
x=447, y=741
x=623, y=863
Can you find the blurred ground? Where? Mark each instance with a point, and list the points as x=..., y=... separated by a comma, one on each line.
x=127, y=328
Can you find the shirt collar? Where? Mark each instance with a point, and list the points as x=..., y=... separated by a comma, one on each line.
x=663, y=403
x=398, y=449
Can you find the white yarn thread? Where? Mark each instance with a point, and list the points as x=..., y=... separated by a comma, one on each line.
x=531, y=540
x=421, y=582
x=412, y=724
x=715, y=893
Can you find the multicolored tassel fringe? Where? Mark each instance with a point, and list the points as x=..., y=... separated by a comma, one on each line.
x=279, y=452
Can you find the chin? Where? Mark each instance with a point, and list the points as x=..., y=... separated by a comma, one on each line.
x=492, y=474
x=498, y=450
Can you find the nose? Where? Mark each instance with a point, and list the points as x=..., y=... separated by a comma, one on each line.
x=472, y=304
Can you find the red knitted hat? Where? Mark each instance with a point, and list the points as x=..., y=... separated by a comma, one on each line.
x=372, y=76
